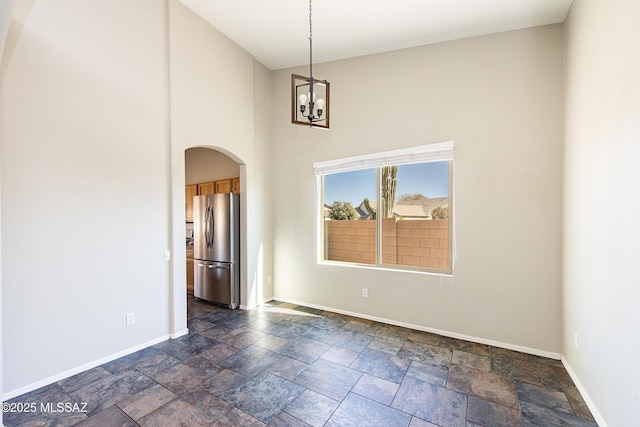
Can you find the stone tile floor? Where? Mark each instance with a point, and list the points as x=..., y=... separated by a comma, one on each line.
x=287, y=365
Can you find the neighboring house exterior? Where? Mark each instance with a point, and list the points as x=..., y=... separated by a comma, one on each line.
x=408, y=209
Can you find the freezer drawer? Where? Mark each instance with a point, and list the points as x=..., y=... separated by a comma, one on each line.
x=216, y=282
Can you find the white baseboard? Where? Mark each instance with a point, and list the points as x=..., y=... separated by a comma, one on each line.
x=179, y=334
x=71, y=372
x=592, y=407
x=508, y=346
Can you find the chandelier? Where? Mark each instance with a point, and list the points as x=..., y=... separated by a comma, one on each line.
x=310, y=97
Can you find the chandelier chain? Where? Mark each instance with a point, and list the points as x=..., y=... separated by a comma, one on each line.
x=310, y=24
x=310, y=107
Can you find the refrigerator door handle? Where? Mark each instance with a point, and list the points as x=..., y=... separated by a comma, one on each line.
x=213, y=225
x=206, y=226
x=209, y=226
x=224, y=267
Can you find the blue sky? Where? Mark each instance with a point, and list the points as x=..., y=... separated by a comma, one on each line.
x=430, y=179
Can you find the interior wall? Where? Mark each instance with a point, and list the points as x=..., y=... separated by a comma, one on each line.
x=263, y=219
x=500, y=98
x=87, y=124
x=203, y=164
x=6, y=8
x=85, y=195
x=212, y=103
x=602, y=205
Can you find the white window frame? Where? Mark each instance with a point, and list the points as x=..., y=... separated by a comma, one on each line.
x=436, y=152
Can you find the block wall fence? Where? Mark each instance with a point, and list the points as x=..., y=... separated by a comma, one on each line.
x=422, y=243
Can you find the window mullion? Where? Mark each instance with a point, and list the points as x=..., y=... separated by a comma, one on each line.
x=322, y=231
x=379, y=220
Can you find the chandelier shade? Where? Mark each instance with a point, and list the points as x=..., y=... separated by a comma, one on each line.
x=303, y=110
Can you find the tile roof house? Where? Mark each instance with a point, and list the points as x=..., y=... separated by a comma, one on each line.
x=409, y=209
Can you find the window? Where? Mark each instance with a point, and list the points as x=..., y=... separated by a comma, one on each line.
x=391, y=209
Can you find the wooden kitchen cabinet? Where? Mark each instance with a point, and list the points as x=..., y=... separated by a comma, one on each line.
x=189, y=192
x=229, y=185
x=190, y=270
x=190, y=276
x=224, y=186
x=206, y=188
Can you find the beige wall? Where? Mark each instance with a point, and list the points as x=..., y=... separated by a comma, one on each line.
x=5, y=20
x=93, y=175
x=85, y=200
x=204, y=164
x=602, y=207
x=500, y=98
x=260, y=286
x=214, y=91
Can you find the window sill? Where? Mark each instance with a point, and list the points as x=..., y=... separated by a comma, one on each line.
x=408, y=269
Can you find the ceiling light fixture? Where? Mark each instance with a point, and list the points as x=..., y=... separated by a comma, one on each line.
x=310, y=97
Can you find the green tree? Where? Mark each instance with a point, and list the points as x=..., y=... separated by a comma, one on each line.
x=441, y=212
x=342, y=210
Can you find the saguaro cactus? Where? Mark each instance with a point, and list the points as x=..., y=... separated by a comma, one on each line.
x=367, y=206
x=389, y=184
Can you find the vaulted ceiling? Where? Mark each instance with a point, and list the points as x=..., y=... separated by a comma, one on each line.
x=276, y=32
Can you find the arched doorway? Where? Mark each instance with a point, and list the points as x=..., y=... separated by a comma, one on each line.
x=207, y=171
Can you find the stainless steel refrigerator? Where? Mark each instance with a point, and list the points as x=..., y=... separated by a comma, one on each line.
x=216, y=248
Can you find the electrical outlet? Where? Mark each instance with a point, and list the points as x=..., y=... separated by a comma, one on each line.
x=269, y=279
x=131, y=319
x=167, y=255
x=365, y=293
x=575, y=340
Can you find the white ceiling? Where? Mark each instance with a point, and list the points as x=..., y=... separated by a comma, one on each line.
x=276, y=32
